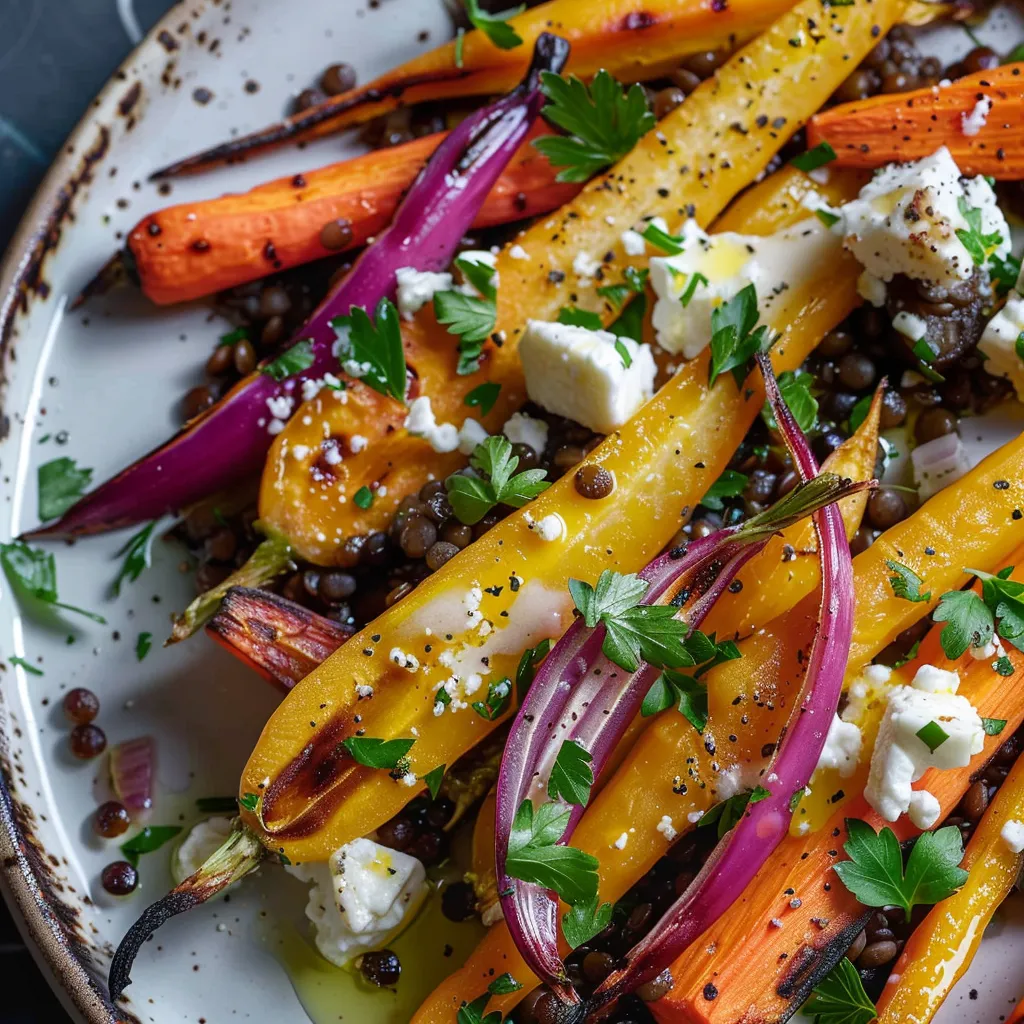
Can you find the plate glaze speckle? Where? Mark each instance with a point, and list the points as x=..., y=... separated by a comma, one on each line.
x=102, y=384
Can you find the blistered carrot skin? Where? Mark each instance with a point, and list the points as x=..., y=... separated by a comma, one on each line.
x=633, y=39
x=977, y=117
x=699, y=157
x=669, y=770
x=942, y=946
x=183, y=252
x=814, y=935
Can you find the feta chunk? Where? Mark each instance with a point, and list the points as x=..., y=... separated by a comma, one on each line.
x=906, y=218
x=202, y=841
x=517, y=252
x=633, y=243
x=584, y=265
x=418, y=287
x=930, y=679
x=727, y=263
x=522, y=429
x=939, y=463
x=420, y=422
x=361, y=898
x=471, y=433
x=999, y=343
x=666, y=828
x=1012, y=833
x=842, y=747
x=972, y=123
x=924, y=809
x=901, y=756
x=579, y=374
x=550, y=528
x=871, y=289
x=912, y=327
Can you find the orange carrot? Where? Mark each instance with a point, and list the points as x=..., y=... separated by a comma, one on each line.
x=1017, y=1017
x=978, y=118
x=746, y=967
x=193, y=249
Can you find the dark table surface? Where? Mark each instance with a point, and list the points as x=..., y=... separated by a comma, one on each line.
x=55, y=55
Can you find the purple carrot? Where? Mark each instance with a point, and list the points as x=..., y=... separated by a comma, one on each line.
x=580, y=695
x=229, y=442
x=746, y=848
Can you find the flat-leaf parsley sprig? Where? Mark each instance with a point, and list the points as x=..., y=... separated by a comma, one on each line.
x=604, y=123
x=497, y=482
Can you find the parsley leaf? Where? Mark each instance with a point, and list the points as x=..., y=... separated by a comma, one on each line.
x=499, y=695
x=584, y=921
x=633, y=283
x=61, y=484
x=138, y=556
x=143, y=645
x=1004, y=272
x=796, y=393
x=727, y=813
x=572, y=316
x=604, y=123
x=504, y=985
x=906, y=583
x=932, y=735
x=33, y=573
x=731, y=484
x=527, y=667
x=363, y=498
x=633, y=632
x=433, y=779
x=249, y=801
x=376, y=753
x=371, y=350
x=495, y=26
x=473, y=1013
x=821, y=154
x=839, y=998
x=993, y=726
x=968, y=622
x=979, y=245
x=478, y=274
x=535, y=856
x=735, y=337
x=859, y=413
x=1005, y=599
x=483, y=396
x=472, y=319
x=663, y=240
x=571, y=775
x=472, y=497
x=292, y=361
x=624, y=355
x=630, y=323
x=151, y=838
x=875, y=873
x=686, y=692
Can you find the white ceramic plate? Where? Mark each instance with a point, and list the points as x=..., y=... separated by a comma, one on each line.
x=102, y=385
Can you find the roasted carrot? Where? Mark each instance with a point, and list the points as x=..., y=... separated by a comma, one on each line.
x=978, y=118
x=280, y=639
x=943, y=945
x=1018, y=1014
x=714, y=979
x=193, y=249
x=633, y=39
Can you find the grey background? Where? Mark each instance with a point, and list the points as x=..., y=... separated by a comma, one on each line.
x=55, y=56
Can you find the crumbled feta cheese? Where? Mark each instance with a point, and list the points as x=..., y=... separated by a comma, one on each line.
x=364, y=690
x=492, y=915
x=842, y=747
x=409, y=779
x=924, y=809
x=939, y=463
x=579, y=374
x=204, y=839
x=550, y=528
x=694, y=816
x=300, y=451
x=633, y=243
x=354, y=368
x=972, y=123
x=311, y=388
x=666, y=828
x=332, y=453
x=727, y=263
x=935, y=680
x=871, y=289
x=912, y=327
x=620, y=843
x=905, y=221
x=417, y=287
x=901, y=757
x=1012, y=833
x=522, y=429
x=421, y=422
x=737, y=779
x=471, y=433
x=275, y=426
x=489, y=259
x=357, y=443
x=517, y=252
x=584, y=265
x=281, y=406
x=361, y=898
x=999, y=343
x=407, y=661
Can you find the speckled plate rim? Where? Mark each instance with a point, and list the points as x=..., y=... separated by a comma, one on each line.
x=26, y=879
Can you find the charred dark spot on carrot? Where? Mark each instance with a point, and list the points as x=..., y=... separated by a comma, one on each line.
x=200, y=245
x=153, y=228
x=636, y=21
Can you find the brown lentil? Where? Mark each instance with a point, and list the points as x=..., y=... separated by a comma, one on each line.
x=338, y=78
x=245, y=357
x=440, y=553
x=877, y=953
x=221, y=361
x=196, y=400
x=886, y=508
x=111, y=819
x=381, y=968
x=119, y=878
x=81, y=705
x=87, y=741
x=594, y=481
x=934, y=423
x=336, y=234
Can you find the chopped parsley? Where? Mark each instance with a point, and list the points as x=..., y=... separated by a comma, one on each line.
x=433, y=780
x=527, y=667
x=375, y=753
x=906, y=583
x=584, y=921
x=731, y=484
x=138, y=556
x=292, y=361
x=149, y=839
x=371, y=350
x=735, y=336
x=932, y=735
x=821, y=154
x=143, y=645
x=875, y=873
x=973, y=620
x=495, y=704
x=572, y=316
x=974, y=240
x=603, y=123
x=495, y=26
x=249, y=801
x=633, y=283
x=363, y=498
x=839, y=998
x=993, y=726
x=663, y=240
x=571, y=776
x=799, y=399
x=20, y=662
x=33, y=574
x=472, y=497
x=61, y=484
x=483, y=397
